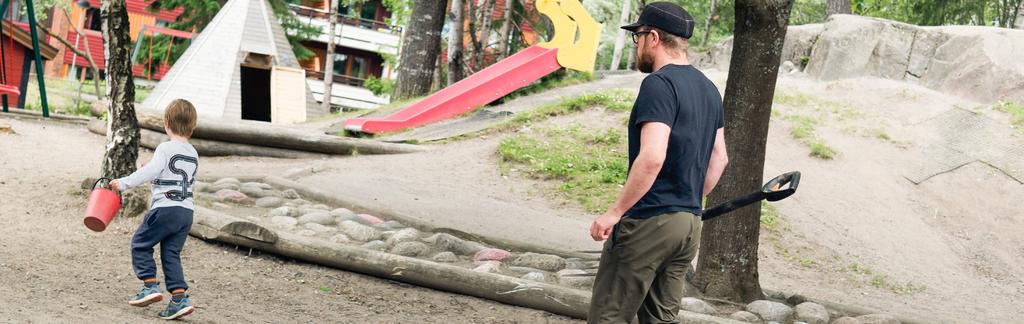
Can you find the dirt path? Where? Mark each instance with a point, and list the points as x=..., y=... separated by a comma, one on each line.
x=54, y=270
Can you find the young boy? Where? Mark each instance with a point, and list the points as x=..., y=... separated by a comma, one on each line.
x=172, y=172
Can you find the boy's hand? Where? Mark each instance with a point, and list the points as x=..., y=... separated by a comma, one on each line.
x=114, y=185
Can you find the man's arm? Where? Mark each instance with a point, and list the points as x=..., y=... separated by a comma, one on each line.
x=653, y=147
x=719, y=159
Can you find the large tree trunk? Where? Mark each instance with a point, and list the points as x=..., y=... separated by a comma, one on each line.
x=212, y=225
x=620, y=38
x=422, y=43
x=727, y=267
x=325, y=105
x=506, y=30
x=151, y=139
x=712, y=18
x=122, y=151
x=260, y=134
x=455, y=44
x=837, y=7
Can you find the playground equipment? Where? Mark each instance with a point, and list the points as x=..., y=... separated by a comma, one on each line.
x=565, y=49
x=152, y=32
x=7, y=89
x=103, y=205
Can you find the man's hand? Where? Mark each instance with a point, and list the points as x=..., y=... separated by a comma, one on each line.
x=602, y=226
x=114, y=185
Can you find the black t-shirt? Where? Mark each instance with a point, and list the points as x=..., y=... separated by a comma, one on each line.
x=681, y=97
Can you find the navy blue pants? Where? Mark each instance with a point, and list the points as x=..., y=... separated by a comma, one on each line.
x=167, y=226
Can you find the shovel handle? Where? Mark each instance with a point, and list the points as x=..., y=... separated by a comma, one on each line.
x=771, y=191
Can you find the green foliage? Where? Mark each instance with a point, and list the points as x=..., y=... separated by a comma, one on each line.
x=1016, y=112
x=296, y=30
x=942, y=12
x=591, y=164
x=822, y=151
x=770, y=216
x=379, y=87
x=196, y=14
x=159, y=51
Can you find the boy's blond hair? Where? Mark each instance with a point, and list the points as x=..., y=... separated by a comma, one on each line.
x=180, y=117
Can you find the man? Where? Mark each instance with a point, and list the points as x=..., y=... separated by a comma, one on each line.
x=676, y=155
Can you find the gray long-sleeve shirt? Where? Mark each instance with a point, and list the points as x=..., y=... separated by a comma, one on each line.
x=172, y=172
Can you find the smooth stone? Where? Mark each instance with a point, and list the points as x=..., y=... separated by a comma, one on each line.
x=373, y=220
x=697, y=306
x=489, y=267
x=812, y=313
x=491, y=254
x=405, y=235
x=771, y=311
x=228, y=195
x=448, y=242
x=377, y=245
x=290, y=194
x=534, y=276
x=410, y=248
x=360, y=232
x=319, y=228
x=445, y=257
x=340, y=238
x=342, y=212
x=745, y=316
x=269, y=202
x=545, y=262
x=322, y=218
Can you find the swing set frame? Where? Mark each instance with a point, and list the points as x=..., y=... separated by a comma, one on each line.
x=5, y=12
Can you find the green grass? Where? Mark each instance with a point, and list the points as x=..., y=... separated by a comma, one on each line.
x=822, y=151
x=1016, y=112
x=804, y=130
x=591, y=164
x=882, y=135
x=770, y=216
x=806, y=262
x=615, y=100
x=552, y=81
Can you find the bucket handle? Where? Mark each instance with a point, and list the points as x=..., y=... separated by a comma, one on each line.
x=118, y=192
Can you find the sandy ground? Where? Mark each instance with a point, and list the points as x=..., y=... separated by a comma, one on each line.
x=947, y=250
x=54, y=270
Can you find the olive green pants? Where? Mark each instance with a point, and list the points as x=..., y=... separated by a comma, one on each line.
x=643, y=269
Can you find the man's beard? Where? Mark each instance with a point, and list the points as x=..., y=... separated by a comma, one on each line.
x=644, y=62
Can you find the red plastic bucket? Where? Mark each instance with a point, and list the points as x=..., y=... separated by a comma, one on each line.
x=103, y=205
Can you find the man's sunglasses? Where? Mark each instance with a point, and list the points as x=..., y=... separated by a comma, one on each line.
x=636, y=36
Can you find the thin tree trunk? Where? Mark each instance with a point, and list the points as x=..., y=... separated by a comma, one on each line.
x=620, y=38
x=474, y=41
x=712, y=17
x=421, y=49
x=631, y=58
x=435, y=83
x=1018, y=18
x=485, y=32
x=506, y=29
x=455, y=44
x=833, y=7
x=727, y=267
x=122, y=149
x=325, y=105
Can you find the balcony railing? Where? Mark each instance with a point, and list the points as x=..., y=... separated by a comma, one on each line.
x=342, y=79
x=315, y=13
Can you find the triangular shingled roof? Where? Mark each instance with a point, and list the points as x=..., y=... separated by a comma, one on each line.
x=208, y=73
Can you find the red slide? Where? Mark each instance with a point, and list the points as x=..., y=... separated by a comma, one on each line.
x=473, y=92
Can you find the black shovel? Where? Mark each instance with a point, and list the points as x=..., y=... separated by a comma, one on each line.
x=771, y=191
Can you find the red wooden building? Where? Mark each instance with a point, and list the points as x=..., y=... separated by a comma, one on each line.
x=18, y=59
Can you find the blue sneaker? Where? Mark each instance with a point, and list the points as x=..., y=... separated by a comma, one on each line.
x=148, y=295
x=177, y=309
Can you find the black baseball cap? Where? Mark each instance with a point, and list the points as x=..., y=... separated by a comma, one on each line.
x=666, y=16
